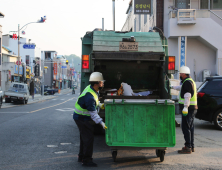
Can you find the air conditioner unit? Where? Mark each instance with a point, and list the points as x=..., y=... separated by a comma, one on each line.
x=206, y=73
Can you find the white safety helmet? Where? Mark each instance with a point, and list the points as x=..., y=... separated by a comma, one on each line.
x=185, y=70
x=96, y=76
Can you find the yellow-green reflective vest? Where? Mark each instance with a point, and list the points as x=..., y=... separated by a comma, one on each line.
x=78, y=108
x=193, y=100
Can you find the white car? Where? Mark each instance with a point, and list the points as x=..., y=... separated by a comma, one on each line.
x=18, y=92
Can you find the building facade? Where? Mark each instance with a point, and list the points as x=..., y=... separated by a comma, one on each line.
x=193, y=29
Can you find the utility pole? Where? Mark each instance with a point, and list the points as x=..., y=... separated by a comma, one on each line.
x=18, y=53
x=113, y=15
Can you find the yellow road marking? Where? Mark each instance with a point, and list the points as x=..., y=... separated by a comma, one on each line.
x=51, y=106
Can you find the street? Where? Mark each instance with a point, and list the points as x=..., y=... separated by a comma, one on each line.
x=43, y=135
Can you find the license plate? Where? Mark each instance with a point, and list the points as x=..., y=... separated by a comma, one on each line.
x=13, y=97
x=128, y=46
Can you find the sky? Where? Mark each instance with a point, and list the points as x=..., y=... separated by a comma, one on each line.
x=67, y=21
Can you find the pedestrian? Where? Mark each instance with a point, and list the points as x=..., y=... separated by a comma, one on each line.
x=32, y=91
x=188, y=108
x=85, y=110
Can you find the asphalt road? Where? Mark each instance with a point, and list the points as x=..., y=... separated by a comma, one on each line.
x=43, y=136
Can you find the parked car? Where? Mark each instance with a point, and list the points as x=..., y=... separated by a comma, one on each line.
x=209, y=100
x=49, y=91
x=1, y=98
x=18, y=92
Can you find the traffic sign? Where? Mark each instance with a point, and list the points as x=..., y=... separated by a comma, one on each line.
x=29, y=46
x=18, y=62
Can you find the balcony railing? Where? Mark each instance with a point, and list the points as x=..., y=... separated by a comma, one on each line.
x=184, y=16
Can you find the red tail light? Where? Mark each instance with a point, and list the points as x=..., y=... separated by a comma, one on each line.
x=85, y=64
x=200, y=94
x=171, y=65
x=6, y=96
x=85, y=61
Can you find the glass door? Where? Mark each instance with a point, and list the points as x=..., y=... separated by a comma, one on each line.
x=182, y=4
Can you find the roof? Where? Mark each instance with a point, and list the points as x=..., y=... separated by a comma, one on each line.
x=214, y=77
x=110, y=40
x=6, y=48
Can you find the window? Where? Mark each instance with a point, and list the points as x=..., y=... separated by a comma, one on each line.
x=204, y=4
x=135, y=25
x=27, y=60
x=214, y=4
x=145, y=19
x=216, y=84
x=139, y=22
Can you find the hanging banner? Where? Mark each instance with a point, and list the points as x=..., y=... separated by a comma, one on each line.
x=142, y=7
x=182, y=52
x=55, y=69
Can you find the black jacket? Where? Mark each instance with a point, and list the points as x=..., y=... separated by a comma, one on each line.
x=187, y=87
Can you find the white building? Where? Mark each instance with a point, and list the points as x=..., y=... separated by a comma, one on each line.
x=193, y=30
x=27, y=55
x=1, y=16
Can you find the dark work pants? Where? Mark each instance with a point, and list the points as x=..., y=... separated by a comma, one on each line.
x=188, y=127
x=86, y=140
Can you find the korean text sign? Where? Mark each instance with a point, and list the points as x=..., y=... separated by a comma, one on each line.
x=142, y=6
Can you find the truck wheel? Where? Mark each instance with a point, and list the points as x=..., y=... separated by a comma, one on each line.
x=23, y=101
x=218, y=119
x=26, y=101
x=114, y=154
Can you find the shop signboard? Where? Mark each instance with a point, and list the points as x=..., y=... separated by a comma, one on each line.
x=182, y=52
x=142, y=6
x=55, y=69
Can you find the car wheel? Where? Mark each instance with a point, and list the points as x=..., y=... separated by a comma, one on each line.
x=218, y=119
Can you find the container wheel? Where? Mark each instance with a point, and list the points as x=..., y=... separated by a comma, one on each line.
x=114, y=154
x=162, y=154
x=157, y=153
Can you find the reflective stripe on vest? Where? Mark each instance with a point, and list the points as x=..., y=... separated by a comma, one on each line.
x=78, y=108
x=193, y=100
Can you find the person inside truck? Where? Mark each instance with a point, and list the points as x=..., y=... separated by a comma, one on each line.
x=85, y=110
x=188, y=107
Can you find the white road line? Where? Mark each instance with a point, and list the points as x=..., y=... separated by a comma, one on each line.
x=54, y=99
x=14, y=112
x=52, y=146
x=62, y=99
x=60, y=152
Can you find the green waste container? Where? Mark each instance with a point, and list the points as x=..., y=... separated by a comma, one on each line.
x=140, y=123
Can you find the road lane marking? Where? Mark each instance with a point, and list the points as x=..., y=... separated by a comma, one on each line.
x=52, y=146
x=50, y=106
x=59, y=152
x=65, y=143
x=62, y=99
x=14, y=112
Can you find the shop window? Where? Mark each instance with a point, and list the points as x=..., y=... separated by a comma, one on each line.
x=216, y=4
x=145, y=19
x=204, y=4
x=139, y=22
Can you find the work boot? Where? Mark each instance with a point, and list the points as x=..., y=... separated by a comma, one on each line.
x=177, y=124
x=79, y=159
x=89, y=164
x=193, y=150
x=185, y=150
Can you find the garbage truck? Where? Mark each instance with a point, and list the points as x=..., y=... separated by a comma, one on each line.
x=141, y=60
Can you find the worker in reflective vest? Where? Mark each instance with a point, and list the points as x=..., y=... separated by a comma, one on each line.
x=85, y=111
x=188, y=107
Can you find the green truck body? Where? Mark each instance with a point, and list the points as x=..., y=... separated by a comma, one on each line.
x=145, y=69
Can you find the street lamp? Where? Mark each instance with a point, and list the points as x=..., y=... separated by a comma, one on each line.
x=42, y=20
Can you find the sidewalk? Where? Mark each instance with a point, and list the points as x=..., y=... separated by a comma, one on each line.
x=38, y=98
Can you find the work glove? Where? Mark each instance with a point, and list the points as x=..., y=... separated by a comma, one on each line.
x=185, y=111
x=103, y=125
x=101, y=105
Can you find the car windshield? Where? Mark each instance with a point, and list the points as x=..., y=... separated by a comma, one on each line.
x=17, y=88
